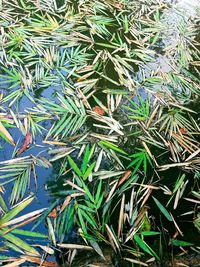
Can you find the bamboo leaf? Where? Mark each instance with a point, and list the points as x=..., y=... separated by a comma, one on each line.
x=20, y=243
x=12, y=213
x=163, y=210
x=5, y=132
x=74, y=166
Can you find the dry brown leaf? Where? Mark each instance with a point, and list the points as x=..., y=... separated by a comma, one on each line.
x=74, y=186
x=112, y=239
x=24, y=217
x=121, y=216
x=176, y=225
x=152, y=116
x=65, y=203
x=53, y=213
x=125, y=177
x=55, y=143
x=21, y=224
x=75, y=246
x=15, y=263
x=192, y=200
x=112, y=191
x=136, y=262
x=48, y=250
x=41, y=262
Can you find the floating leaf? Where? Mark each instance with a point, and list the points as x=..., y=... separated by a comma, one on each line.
x=163, y=210
x=5, y=132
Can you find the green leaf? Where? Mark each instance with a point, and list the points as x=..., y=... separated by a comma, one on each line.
x=97, y=248
x=89, y=171
x=113, y=147
x=51, y=231
x=45, y=214
x=107, y=45
x=3, y=204
x=19, y=242
x=163, y=210
x=87, y=191
x=143, y=245
x=28, y=233
x=82, y=223
x=89, y=218
x=2, y=257
x=149, y=233
x=11, y=214
x=179, y=182
x=74, y=166
x=85, y=159
x=180, y=243
x=97, y=197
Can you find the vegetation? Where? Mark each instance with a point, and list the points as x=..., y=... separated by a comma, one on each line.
x=119, y=129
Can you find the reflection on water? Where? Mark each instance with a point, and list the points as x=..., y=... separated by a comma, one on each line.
x=189, y=7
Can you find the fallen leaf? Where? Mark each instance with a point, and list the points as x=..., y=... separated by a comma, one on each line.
x=99, y=110
x=183, y=130
x=65, y=203
x=15, y=263
x=53, y=214
x=5, y=132
x=40, y=261
x=26, y=143
x=75, y=246
x=125, y=177
x=48, y=250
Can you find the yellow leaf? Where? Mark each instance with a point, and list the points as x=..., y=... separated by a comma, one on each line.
x=6, y=133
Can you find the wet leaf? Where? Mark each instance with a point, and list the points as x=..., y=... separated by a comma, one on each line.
x=142, y=244
x=5, y=132
x=20, y=243
x=180, y=243
x=11, y=214
x=163, y=210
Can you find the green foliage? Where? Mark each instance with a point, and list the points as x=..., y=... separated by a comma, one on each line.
x=143, y=245
x=141, y=158
x=19, y=171
x=71, y=114
x=10, y=234
x=180, y=243
x=86, y=169
x=140, y=110
x=163, y=209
